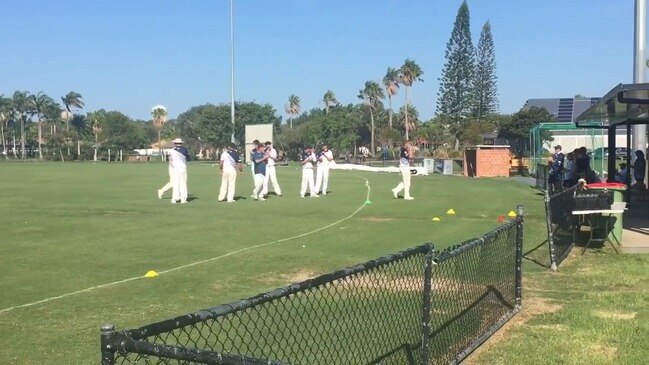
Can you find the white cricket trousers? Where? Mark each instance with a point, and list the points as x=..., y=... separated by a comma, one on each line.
x=271, y=177
x=405, y=182
x=169, y=184
x=307, y=181
x=322, y=179
x=179, y=182
x=228, y=181
x=259, y=184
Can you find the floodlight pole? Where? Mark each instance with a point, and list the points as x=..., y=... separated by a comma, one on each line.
x=232, y=67
x=639, y=63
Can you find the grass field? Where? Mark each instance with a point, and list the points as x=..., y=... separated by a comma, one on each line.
x=70, y=229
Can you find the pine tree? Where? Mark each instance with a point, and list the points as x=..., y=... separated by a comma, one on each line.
x=485, y=90
x=454, y=99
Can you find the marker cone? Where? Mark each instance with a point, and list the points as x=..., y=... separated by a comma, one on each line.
x=450, y=212
x=501, y=218
x=436, y=219
x=151, y=274
x=512, y=214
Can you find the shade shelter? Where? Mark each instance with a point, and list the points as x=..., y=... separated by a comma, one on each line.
x=625, y=105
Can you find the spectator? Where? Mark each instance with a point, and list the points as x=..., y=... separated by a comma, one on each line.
x=556, y=168
x=621, y=175
x=639, y=169
x=569, y=174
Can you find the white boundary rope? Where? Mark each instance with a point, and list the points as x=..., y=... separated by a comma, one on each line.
x=369, y=190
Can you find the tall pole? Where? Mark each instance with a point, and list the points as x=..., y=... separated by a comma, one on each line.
x=639, y=63
x=232, y=66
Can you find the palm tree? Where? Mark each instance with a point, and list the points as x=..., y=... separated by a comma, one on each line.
x=372, y=95
x=23, y=111
x=159, y=114
x=6, y=109
x=391, y=84
x=72, y=99
x=41, y=104
x=292, y=108
x=95, y=123
x=408, y=74
x=329, y=100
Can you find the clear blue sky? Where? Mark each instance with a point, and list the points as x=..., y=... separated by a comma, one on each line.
x=130, y=55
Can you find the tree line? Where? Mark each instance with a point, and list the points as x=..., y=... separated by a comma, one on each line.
x=467, y=109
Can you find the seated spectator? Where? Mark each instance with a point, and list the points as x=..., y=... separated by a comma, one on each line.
x=622, y=174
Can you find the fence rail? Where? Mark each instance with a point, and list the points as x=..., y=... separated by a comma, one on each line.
x=561, y=223
x=418, y=306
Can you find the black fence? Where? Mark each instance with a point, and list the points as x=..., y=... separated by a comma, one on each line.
x=418, y=306
x=561, y=223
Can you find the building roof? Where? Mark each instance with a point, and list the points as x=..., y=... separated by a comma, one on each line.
x=563, y=109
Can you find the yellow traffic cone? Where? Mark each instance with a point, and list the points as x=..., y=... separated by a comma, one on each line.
x=151, y=274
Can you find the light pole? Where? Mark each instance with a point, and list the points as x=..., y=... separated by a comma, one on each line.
x=639, y=64
x=232, y=67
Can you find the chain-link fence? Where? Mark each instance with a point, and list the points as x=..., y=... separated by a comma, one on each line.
x=417, y=306
x=561, y=223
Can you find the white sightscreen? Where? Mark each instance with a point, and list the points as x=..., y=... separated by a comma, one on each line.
x=262, y=132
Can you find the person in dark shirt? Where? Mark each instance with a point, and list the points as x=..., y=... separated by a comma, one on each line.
x=556, y=169
x=259, y=159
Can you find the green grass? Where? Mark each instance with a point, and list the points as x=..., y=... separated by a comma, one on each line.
x=68, y=227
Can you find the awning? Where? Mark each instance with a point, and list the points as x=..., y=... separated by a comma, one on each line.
x=625, y=104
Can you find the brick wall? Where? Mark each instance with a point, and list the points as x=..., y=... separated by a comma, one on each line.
x=492, y=162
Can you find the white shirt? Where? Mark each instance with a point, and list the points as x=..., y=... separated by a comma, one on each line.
x=309, y=158
x=177, y=160
x=273, y=155
x=229, y=164
x=325, y=158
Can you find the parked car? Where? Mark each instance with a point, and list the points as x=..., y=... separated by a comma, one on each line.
x=602, y=152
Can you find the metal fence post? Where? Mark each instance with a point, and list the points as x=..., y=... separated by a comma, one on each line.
x=548, y=222
x=519, y=256
x=428, y=277
x=108, y=347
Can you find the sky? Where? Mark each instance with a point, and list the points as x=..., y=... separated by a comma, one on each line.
x=131, y=55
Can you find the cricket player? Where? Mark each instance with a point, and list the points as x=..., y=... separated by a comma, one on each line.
x=307, y=160
x=255, y=143
x=322, y=170
x=271, y=176
x=259, y=158
x=229, y=164
x=178, y=158
x=405, y=158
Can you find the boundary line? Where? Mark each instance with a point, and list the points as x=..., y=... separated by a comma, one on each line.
x=369, y=190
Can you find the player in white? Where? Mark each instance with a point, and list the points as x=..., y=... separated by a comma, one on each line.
x=325, y=157
x=178, y=158
x=229, y=164
x=406, y=155
x=307, y=160
x=271, y=176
